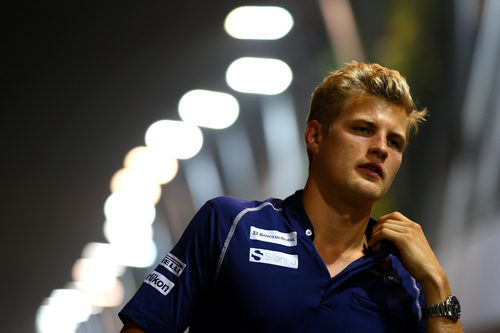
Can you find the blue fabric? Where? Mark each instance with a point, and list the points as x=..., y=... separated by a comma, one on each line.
x=232, y=283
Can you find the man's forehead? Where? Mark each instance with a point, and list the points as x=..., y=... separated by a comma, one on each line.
x=375, y=110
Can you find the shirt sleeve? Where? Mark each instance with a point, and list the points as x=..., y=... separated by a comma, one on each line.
x=168, y=297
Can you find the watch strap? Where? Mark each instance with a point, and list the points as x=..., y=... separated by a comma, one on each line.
x=450, y=308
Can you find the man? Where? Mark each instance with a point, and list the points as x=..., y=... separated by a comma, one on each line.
x=316, y=261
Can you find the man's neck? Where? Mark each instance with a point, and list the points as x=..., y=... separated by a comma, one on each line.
x=338, y=224
x=339, y=227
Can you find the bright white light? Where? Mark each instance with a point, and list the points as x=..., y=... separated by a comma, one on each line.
x=209, y=108
x=175, y=138
x=63, y=311
x=121, y=236
x=259, y=75
x=123, y=233
x=160, y=166
x=258, y=22
x=127, y=208
x=136, y=182
x=142, y=252
x=110, y=297
x=94, y=275
x=103, y=252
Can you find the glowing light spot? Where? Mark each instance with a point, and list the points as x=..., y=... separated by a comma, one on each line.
x=258, y=22
x=259, y=76
x=117, y=232
x=174, y=138
x=160, y=166
x=128, y=208
x=208, y=108
x=110, y=297
x=121, y=236
x=136, y=182
x=94, y=275
x=63, y=311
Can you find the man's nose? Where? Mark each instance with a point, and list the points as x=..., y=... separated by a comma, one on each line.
x=379, y=148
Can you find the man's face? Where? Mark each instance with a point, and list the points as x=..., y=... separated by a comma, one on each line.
x=363, y=150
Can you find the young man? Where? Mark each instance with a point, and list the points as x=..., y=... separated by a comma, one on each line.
x=316, y=261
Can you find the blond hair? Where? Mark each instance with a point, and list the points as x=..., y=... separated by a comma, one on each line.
x=330, y=95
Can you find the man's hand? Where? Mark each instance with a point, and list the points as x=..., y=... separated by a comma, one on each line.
x=419, y=260
x=415, y=251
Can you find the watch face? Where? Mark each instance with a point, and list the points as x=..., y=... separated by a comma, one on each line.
x=455, y=307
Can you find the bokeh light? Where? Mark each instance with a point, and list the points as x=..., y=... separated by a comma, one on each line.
x=209, y=108
x=159, y=165
x=258, y=22
x=174, y=138
x=259, y=75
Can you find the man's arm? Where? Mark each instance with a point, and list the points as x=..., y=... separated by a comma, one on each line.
x=420, y=261
x=131, y=327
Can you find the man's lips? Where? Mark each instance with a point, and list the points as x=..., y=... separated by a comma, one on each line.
x=373, y=168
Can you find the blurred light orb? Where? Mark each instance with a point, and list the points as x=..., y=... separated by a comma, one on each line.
x=175, y=138
x=142, y=253
x=110, y=297
x=126, y=208
x=264, y=76
x=258, y=22
x=159, y=165
x=208, y=108
x=63, y=311
x=136, y=182
x=120, y=234
x=95, y=275
x=100, y=251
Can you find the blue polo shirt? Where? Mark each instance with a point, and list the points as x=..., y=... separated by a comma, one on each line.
x=251, y=266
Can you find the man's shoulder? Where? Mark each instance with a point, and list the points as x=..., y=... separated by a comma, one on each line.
x=234, y=206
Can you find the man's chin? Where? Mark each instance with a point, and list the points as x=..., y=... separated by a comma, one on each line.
x=371, y=193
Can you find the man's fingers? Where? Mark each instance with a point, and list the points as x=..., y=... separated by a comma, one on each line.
x=394, y=215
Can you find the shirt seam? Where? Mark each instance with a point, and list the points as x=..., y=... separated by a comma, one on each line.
x=234, y=224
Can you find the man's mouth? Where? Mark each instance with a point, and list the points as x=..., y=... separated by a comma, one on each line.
x=373, y=168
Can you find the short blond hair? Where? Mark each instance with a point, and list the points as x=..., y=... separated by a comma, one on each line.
x=330, y=95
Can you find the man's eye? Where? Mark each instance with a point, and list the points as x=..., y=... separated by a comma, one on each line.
x=394, y=143
x=363, y=130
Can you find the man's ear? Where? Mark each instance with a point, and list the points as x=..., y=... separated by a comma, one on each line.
x=313, y=135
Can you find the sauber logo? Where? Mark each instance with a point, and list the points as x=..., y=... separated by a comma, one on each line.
x=159, y=282
x=276, y=258
x=173, y=264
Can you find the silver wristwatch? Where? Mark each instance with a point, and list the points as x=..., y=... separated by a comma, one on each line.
x=449, y=308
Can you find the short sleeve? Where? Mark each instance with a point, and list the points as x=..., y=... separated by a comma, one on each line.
x=168, y=297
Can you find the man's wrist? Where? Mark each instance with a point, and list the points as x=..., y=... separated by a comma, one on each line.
x=436, y=288
x=450, y=308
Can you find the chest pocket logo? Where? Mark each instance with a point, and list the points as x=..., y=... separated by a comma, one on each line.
x=276, y=258
x=274, y=236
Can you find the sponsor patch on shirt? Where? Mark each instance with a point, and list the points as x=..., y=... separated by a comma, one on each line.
x=173, y=264
x=264, y=256
x=274, y=236
x=159, y=282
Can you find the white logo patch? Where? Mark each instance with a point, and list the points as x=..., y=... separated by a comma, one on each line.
x=264, y=256
x=173, y=264
x=159, y=282
x=274, y=236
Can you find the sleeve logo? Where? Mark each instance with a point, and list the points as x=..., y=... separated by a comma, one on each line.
x=173, y=264
x=159, y=282
x=274, y=236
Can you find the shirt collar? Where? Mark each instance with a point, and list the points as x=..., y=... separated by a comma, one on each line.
x=294, y=210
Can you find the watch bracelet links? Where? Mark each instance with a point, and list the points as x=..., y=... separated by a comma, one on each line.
x=436, y=310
